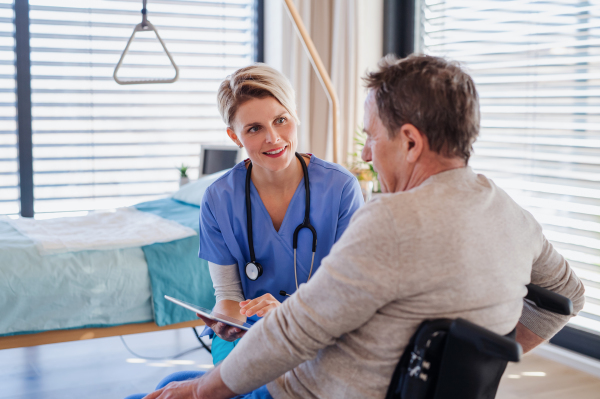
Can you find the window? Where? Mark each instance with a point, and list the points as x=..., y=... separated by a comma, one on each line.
x=97, y=144
x=9, y=161
x=537, y=69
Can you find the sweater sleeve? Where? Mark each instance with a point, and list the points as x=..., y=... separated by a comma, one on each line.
x=550, y=270
x=319, y=312
x=226, y=282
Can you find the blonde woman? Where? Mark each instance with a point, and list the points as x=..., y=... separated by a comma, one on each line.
x=287, y=200
x=253, y=276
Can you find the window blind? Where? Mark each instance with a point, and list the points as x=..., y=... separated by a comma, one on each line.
x=536, y=65
x=99, y=145
x=9, y=163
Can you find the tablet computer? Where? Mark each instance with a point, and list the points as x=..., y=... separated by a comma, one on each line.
x=209, y=314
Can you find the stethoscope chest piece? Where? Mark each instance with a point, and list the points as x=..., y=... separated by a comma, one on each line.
x=253, y=270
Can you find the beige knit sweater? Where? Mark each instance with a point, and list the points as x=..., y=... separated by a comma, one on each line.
x=456, y=246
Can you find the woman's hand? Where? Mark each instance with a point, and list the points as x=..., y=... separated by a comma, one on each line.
x=231, y=309
x=259, y=306
x=224, y=331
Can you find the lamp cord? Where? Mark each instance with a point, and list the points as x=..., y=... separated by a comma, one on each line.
x=204, y=346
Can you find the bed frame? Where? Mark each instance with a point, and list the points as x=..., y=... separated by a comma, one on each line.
x=80, y=334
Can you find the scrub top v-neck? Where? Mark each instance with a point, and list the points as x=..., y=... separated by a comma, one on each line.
x=335, y=196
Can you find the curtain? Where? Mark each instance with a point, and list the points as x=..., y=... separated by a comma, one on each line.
x=333, y=27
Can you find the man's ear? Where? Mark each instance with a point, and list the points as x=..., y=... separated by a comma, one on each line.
x=234, y=137
x=413, y=142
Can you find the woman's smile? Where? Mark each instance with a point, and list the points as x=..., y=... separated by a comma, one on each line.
x=276, y=153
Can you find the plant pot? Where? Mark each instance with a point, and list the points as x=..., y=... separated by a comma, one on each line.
x=183, y=181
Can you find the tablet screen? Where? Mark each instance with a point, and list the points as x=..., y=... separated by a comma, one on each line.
x=210, y=314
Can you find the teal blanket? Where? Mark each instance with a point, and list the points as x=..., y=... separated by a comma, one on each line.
x=175, y=268
x=69, y=290
x=112, y=287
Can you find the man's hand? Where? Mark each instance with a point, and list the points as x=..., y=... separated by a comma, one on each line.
x=174, y=390
x=527, y=338
x=211, y=386
x=224, y=331
x=259, y=306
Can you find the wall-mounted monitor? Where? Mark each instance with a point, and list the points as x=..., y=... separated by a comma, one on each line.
x=215, y=158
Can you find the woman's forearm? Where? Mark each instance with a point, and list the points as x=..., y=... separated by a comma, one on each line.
x=226, y=282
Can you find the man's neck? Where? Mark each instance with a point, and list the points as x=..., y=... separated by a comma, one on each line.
x=428, y=167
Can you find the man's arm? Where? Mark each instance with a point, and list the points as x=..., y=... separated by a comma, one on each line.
x=550, y=270
x=527, y=338
x=210, y=386
x=353, y=282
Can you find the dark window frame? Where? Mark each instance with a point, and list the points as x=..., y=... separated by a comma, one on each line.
x=23, y=93
x=259, y=49
x=399, y=27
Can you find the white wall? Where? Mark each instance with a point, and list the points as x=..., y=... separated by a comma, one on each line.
x=274, y=33
x=370, y=46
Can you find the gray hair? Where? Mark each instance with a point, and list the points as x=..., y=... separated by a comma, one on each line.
x=435, y=95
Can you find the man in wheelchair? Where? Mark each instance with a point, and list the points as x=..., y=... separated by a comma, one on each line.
x=444, y=242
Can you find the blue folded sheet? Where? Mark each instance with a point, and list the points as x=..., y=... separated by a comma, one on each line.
x=175, y=268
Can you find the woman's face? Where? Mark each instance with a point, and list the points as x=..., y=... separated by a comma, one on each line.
x=267, y=131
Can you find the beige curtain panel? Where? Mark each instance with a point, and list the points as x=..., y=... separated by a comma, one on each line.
x=332, y=25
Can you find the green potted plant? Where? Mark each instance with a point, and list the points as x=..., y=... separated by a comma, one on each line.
x=183, y=177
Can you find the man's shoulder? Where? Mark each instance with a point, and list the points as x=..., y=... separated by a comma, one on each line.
x=383, y=209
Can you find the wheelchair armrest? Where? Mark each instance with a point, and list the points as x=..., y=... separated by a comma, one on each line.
x=549, y=300
x=486, y=342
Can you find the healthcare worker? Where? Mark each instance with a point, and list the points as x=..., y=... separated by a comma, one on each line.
x=268, y=194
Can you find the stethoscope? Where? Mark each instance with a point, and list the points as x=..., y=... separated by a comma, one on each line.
x=254, y=269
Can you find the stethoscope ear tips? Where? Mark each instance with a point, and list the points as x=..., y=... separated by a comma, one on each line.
x=283, y=293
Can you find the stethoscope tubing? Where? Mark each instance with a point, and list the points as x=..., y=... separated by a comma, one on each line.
x=304, y=225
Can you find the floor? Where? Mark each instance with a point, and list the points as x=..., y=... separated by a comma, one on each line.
x=535, y=377
x=103, y=368
x=99, y=368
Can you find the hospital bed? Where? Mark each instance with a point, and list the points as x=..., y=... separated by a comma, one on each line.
x=67, y=296
x=168, y=265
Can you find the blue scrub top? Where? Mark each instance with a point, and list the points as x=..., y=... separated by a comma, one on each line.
x=335, y=196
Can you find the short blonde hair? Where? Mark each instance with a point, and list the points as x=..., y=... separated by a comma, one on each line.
x=254, y=81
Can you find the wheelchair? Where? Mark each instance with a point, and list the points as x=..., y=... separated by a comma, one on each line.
x=456, y=359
